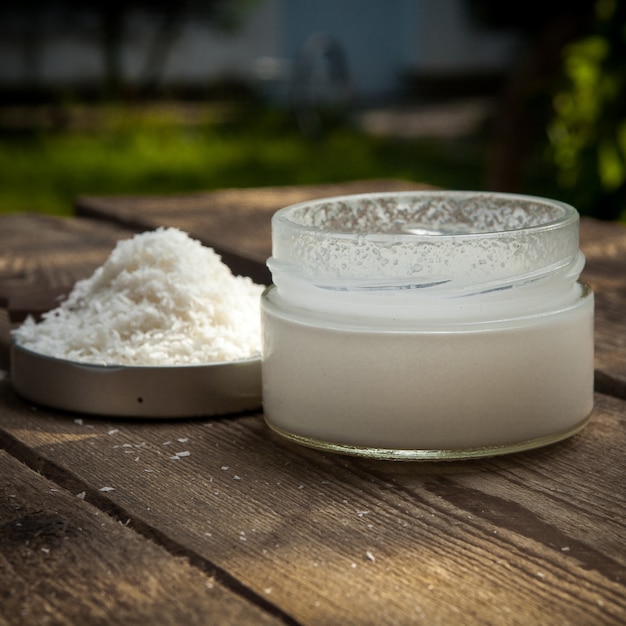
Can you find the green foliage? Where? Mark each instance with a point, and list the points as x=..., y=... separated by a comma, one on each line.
x=588, y=131
x=164, y=152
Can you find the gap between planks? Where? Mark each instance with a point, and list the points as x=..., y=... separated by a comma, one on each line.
x=69, y=483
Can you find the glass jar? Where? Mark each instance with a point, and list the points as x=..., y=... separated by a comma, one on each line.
x=427, y=325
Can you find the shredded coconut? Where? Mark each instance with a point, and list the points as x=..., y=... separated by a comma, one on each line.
x=161, y=298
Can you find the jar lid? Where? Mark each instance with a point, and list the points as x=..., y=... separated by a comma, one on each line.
x=177, y=391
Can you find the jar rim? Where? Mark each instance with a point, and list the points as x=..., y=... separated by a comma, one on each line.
x=427, y=241
x=284, y=217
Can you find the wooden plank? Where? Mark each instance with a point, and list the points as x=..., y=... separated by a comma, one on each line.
x=604, y=246
x=536, y=537
x=5, y=334
x=235, y=222
x=64, y=561
x=610, y=342
x=41, y=257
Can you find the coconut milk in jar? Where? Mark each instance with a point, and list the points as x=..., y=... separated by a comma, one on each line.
x=427, y=325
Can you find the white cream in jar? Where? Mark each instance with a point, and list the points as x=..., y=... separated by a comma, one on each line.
x=427, y=325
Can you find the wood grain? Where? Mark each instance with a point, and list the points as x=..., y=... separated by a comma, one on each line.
x=41, y=257
x=532, y=538
x=5, y=334
x=604, y=246
x=64, y=561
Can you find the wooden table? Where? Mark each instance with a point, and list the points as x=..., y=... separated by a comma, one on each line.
x=99, y=524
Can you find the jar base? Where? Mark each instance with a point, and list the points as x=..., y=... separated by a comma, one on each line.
x=387, y=454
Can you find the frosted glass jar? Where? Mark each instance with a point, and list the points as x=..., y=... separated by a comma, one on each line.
x=427, y=325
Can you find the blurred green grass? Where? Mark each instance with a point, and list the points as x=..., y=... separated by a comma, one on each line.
x=50, y=158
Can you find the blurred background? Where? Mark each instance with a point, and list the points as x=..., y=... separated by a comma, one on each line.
x=154, y=97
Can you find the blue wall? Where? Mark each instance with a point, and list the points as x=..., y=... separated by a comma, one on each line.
x=376, y=33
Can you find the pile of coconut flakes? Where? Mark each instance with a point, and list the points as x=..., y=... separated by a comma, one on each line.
x=161, y=298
